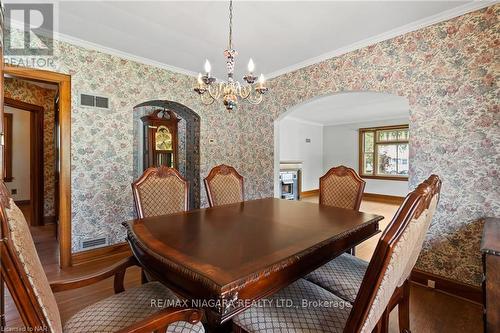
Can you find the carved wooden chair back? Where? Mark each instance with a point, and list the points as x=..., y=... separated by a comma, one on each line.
x=22, y=270
x=341, y=187
x=160, y=191
x=224, y=186
x=393, y=257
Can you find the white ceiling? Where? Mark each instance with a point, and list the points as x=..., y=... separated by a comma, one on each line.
x=279, y=36
x=351, y=107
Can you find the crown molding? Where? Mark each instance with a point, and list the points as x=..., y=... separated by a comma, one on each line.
x=125, y=55
x=111, y=51
x=396, y=119
x=419, y=24
x=303, y=121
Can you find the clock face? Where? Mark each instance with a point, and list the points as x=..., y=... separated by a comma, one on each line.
x=163, y=138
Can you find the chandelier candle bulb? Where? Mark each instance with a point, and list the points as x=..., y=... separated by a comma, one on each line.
x=262, y=79
x=251, y=66
x=208, y=67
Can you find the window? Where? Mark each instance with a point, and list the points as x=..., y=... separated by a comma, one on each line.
x=384, y=152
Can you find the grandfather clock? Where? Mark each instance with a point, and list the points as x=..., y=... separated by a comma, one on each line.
x=160, y=139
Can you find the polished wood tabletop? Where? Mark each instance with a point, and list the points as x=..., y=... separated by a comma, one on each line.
x=244, y=251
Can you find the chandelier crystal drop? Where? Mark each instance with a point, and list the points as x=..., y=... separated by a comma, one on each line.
x=230, y=91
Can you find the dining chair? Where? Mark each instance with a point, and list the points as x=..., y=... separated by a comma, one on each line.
x=341, y=187
x=224, y=185
x=126, y=311
x=343, y=275
x=160, y=191
x=314, y=308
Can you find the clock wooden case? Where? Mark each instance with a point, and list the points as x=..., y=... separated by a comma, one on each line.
x=160, y=139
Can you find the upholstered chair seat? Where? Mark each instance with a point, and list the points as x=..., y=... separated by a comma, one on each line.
x=310, y=308
x=348, y=294
x=341, y=276
x=224, y=186
x=126, y=308
x=344, y=274
x=131, y=308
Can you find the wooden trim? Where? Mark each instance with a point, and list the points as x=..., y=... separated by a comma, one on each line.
x=404, y=179
x=390, y=199
x=310, y=193
x=8, y=147
x=49, y=219
x=117, y=250
x=36, y=155
x=64, y=82
x=361, y=131
x=378, y=128
x=22, y=202
x=453, y=287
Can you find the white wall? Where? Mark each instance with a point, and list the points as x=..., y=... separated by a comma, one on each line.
x=293, y=147
x=20, y=153
x=341, y=147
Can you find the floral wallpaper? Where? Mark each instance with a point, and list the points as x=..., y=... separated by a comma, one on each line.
x=102, y=140
x=447, y=72
x=24, y=91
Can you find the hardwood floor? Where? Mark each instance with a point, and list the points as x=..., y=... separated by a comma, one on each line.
x=431, y=311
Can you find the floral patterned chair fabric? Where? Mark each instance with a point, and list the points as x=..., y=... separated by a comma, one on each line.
x=341, y=187
x=224, y=186
x=344, y=274
x=395, y=252
x=24, y=275
x=160, y=191
x=28, y=257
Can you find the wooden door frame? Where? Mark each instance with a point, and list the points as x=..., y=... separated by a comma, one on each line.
x=36, y=156
x=64, y=83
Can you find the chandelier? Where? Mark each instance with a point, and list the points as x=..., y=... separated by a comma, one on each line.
x=210, y=89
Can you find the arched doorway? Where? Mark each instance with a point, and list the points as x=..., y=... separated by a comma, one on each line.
x=189, y=143
x=324, y=131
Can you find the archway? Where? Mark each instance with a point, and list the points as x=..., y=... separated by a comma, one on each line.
x=323, y=132
x=189, y=143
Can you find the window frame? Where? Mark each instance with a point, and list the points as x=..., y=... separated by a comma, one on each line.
x=376, y=142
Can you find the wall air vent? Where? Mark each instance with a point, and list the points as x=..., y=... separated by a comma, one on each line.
x=94, y=101
x=92, y=243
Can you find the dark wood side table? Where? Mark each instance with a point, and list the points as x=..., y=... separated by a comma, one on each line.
x=490, y=249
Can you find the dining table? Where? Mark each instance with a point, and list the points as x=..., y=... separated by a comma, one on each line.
x=224, y=259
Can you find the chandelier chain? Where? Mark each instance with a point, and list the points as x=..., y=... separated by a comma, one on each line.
x=230, y=25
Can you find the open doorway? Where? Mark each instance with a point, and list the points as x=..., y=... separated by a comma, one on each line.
x=366, y=131
x=31, y=153
x=25, y=85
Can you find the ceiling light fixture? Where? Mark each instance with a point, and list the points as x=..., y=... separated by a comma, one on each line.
x=211, y=90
